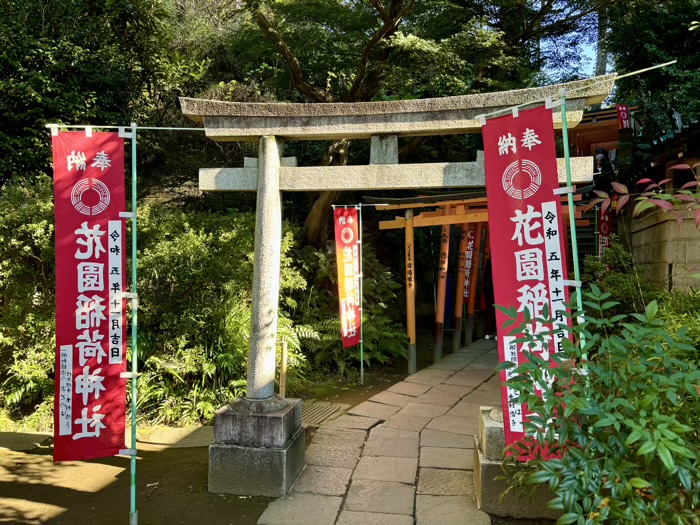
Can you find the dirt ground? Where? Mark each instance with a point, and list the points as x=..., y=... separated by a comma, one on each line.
x=171, y=482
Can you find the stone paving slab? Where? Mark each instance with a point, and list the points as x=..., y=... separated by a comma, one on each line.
x=374, y=410
x=450, y=390
x=455, y=424
x=469, y=408
x=482, y=397
x=302, y=509
x=481, y=365
x=445, y=395
x=409, y=389
x=447, y=458
x=413, y=423
x=348, y=421
x=455, y=367
x=392, y=398
x=332, y=456
x=437, y=399
x=461, y=357
x=448, y=510
x=471, y=352
x=373, y=518
x=385, y=497
x=383, y=430
x=429, y=377
x=424, y=379
x=397, y=447
x=339, y=436
x=492, y=384
x=329, y=481
x=484, y=344
x=423, y=410
x=437, y=438
x=469, y=378
x=401, y=470
x=443, y=482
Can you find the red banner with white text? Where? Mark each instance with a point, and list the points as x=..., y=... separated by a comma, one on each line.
x=604, y=231
x=526, y=238
x=623, y=116
x=469, y=262
x=90, y=402
x=347, y=252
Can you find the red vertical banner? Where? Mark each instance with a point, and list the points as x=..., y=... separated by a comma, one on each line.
x=623, y=116
x=526, y=238
x=469, y=231
x=90, y=402
x=604, y=231
x=347, y=253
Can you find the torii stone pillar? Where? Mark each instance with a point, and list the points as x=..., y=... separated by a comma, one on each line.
x=258, y=441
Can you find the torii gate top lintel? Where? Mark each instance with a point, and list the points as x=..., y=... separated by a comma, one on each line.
x=245, y=121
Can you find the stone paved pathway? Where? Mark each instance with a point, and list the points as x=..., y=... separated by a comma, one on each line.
x=405, y=457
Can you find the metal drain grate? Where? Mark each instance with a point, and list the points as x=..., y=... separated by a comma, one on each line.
x=313, y=413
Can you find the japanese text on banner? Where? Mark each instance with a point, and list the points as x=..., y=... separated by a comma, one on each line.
x=90, y=315
x=526, y=241
x=348, y=259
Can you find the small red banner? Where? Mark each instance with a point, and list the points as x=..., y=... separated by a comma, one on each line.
x=347, y=239
x=604, y=231
x=469, y=262
x=90, y=402
x=526, y=237
x=623, y=116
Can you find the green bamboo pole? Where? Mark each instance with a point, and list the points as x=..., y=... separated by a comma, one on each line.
x=572, y=215
x=362, y=338
x=133, y=516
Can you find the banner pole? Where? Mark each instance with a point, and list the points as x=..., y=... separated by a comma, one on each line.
x=572, y=213
x=134, y=515
x=362, y=335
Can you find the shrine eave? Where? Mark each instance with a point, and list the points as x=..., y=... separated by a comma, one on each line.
x=246, y=121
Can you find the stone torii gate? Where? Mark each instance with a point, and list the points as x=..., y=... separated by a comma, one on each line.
x=258, y=441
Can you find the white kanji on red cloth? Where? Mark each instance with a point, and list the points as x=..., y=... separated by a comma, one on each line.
x=90, y=277
x=77, y=161
x=91, y=241
x=533, y=299
x=529, y=265
x=525, y=225
x=530, y=139
x=94, y=422
x=90, y=346
x=89, y=312
x=101, y=161
x=506, y=142
x=89, y=383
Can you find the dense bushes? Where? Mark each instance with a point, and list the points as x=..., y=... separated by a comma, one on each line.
x=620, y=431
x=194, y=273
x=384, y=338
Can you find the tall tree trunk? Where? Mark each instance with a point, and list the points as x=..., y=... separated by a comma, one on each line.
x=601, y=58
x=316, y=224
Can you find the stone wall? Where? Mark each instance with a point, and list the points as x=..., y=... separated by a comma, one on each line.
x=669, y=251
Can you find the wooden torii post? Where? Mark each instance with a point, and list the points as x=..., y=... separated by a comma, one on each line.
x=270, y=124
x=462, y=212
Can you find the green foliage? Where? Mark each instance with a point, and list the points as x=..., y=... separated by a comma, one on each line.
x=681, y=309
x=384, y=339
x=27, y=297
x=616, y=437
x=195, y=271
x=617, y=274
x=644, y=33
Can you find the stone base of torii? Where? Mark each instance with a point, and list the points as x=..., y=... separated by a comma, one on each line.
x=259, y=441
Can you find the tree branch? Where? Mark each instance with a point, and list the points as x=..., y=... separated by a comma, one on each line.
x=391, y=21
x=302, y=86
